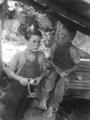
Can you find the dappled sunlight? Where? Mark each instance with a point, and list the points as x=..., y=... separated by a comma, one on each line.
x=9, y=50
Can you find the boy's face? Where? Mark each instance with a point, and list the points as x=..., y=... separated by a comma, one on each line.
x=34, y=43
x=65, y=36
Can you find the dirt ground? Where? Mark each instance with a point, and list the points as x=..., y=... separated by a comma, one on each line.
x=77, y=109
x=35, y=114
x=71, y=110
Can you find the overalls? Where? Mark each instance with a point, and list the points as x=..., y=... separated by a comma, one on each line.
x=16, y=92
x=55, y=84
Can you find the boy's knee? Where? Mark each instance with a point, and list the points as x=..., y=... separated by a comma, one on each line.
x=48, y=85
x=60, y=83
x=63, y=81
x=50, y=82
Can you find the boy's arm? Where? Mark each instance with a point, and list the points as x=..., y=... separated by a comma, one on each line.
x=11, y=66
x=75, y=54
x=13, y=63
x=44, y=70
x=14, y=76
x=53, y=48
x=10, y=70
x=44, y=73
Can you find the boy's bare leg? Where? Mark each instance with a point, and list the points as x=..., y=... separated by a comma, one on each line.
x=57, y=97
x=47, y=88
x=43, y=104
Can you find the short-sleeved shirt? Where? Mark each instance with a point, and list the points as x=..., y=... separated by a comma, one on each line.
x=20, y=58
x=67, y=54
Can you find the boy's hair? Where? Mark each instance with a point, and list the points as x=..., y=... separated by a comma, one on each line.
x=71, y=29
x=36, y=32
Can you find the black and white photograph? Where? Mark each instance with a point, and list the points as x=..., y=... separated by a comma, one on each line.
x=44, y=59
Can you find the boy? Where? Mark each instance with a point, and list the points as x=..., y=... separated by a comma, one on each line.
x=25, y=65
x=64, y=55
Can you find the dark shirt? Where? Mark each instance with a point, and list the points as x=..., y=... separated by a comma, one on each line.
x=62, y=57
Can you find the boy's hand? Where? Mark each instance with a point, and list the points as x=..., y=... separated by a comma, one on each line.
x=63, y=74
x=36, y=81
x=24, y=81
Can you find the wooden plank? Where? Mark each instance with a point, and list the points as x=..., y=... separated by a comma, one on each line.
x=80, y=84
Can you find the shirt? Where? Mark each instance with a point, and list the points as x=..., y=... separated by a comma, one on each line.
x=74, y=52
x=20, y=58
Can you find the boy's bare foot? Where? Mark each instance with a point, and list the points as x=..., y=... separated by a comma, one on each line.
x=43, y=105
x=49, y=112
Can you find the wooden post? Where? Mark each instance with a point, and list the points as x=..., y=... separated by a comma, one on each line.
x=0, y=49
x=2, y=16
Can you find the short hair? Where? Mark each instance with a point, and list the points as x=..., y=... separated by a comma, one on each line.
x=71, y=29
x=36, y=32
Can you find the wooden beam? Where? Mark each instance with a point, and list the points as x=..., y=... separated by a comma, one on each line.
x=80, y=84
x=58, y=12
x=56, y=7
x=36, y=5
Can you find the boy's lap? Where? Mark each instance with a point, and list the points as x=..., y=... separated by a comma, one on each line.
x=14, y=90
